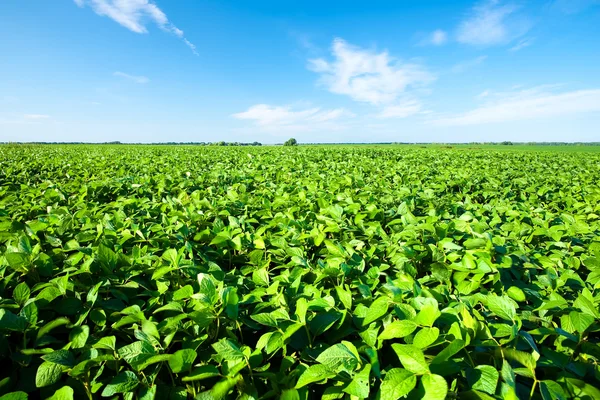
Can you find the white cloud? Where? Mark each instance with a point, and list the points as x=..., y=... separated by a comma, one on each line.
x=284, y=118
x=436, y=38
x=134, y=15
x=367, y=76
x=134, y=78
x=526, y=104
x=36, y=116
x=522, y=44
x=191, y=46
x=402, y=110
x=488, y=24
x=465, y=65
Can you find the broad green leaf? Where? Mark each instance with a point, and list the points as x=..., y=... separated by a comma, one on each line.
x=182, y=360
x=21, y=293
x=338, y=357
x=502, y=306
x=48, y=373
x=60, y=357
x=398, y=329
x=425, y=337
x=427, y=315
x=14, y=396
x=122, y=383
x=220, y=389
x=79, y=336
x=12, y=322
x=376, y=310
x=521, y=357
x=359, y=386
x=435, y=387
x=412, y=358
x=516, y=294
x=397, y=383
x=136, y=353
x=314, y=373
x=552, y=391
x=202, y=372
x=64, y=393
x=454, y=347
x=483, y=378
x=226, y=350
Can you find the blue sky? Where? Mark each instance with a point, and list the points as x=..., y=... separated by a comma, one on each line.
x=335, y=71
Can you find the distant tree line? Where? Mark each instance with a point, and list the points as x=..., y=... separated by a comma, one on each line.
x=151, y=144
x=293, y=142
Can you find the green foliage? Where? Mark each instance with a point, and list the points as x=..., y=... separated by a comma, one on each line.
x=290, y=142
x=150, y=272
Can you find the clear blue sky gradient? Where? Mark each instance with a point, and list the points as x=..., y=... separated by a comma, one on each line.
x=335, y=71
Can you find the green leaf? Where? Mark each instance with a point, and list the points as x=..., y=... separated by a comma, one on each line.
x=412, y=358
x=345, y=297
x=359, y=386
x=207, y=291
x=425, y=337
x=182, y=360
x=552, y=391
x=107, y=257
x=64, y=393
x=376, y=310
x=314, y=373
x=220, y=389
x=184, y=293
x=136, y=353
x=521, y=357
x=61, y=357
x=454, y=347
x=502, y=306
x=122, y=383
x=21, y=293
x=398, y=329
x=226, y=350
x=202, y=372
x=12, y=322
x=106, y=343
x=14, y=396
x=580, y=321
x=79, y=336
x=586, y=305
x=290, y=394
x=516, y=294
x=30, y=312
x=397, y=383
x=47, y=374
x=427, y=315
x=483, y=378
x=338, y=357
x=323, y=321
x=435, y=387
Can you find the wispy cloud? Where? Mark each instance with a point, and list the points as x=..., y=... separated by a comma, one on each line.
x=435, y=38
x=533, y=103
x=135, y=15
x=403, y=109
x=36, y=116
x=278, y=118
x=522, y=44
x=468, y=64
x=134, y=78
x=367, y=76
x=488, y=24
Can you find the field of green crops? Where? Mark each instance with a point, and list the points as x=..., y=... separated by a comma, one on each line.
x=389, y=272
